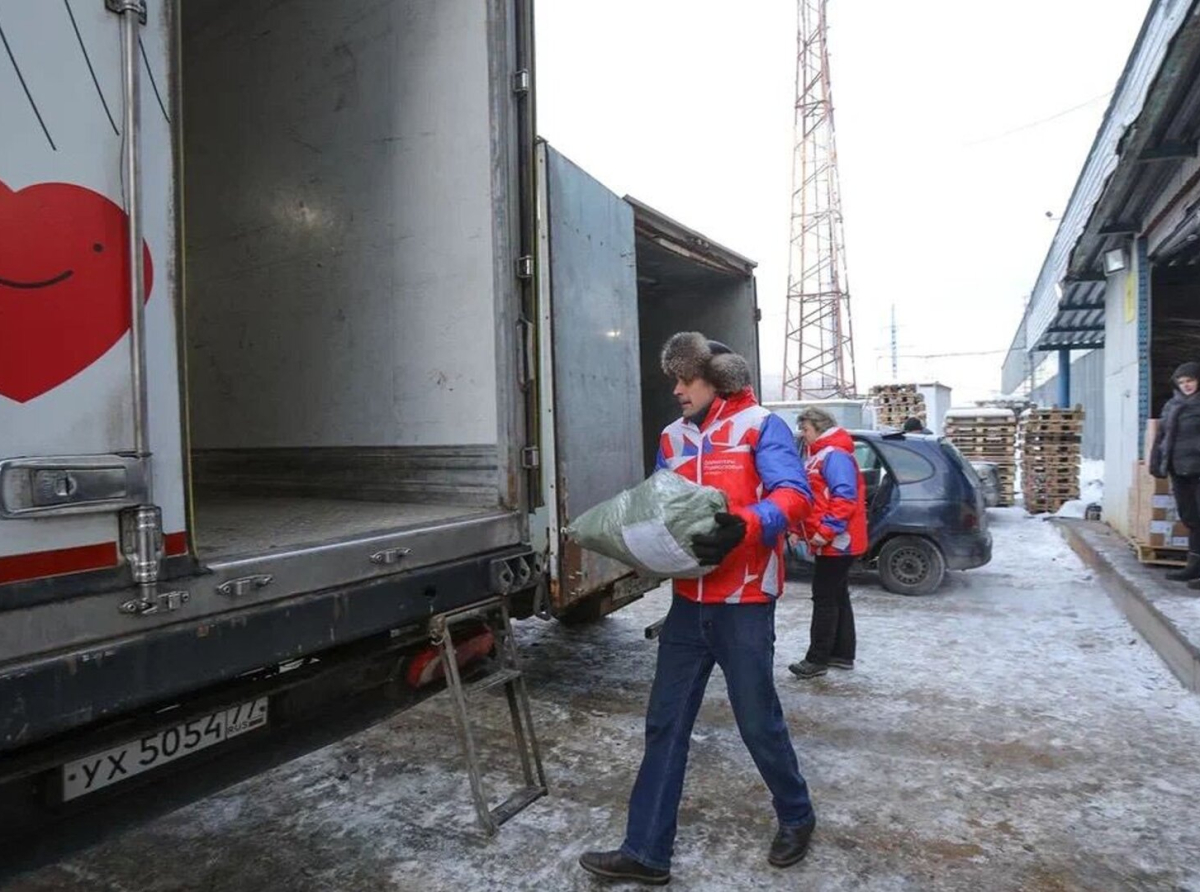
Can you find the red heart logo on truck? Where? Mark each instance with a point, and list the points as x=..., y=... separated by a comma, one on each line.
x=64, y=275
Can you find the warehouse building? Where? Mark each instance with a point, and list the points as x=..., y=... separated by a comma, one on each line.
x=1117, y=301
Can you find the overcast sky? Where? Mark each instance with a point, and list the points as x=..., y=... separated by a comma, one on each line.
x=959, y=124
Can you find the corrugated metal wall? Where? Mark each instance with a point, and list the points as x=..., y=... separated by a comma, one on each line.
x=1087, y=390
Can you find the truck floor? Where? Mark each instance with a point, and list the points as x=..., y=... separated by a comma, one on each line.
x=229, y=525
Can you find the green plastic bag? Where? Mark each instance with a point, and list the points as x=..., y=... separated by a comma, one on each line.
x=650, y=527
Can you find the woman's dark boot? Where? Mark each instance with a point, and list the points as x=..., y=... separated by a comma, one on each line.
x=1189, y=571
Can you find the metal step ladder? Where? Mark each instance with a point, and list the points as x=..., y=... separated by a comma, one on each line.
x=507, y=672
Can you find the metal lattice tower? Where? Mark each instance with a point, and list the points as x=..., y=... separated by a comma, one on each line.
x=819, y=349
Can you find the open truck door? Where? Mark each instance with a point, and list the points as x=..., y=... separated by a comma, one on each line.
x=615, y=280
x=91, y=456
x=590, y=369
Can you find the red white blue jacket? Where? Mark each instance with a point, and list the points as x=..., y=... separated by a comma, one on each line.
x=839, y=514
x=750, y=455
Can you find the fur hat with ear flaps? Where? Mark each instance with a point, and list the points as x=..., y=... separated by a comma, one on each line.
x=689, y=355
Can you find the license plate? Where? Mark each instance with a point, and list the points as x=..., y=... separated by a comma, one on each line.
x=103, y=769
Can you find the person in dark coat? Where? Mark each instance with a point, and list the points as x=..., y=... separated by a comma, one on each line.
x=914, y=425
x=1176, y=454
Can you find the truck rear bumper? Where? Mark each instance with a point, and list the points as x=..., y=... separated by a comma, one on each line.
x=77, y=687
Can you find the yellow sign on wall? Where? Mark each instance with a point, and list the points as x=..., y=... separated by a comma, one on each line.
x=1130, y=297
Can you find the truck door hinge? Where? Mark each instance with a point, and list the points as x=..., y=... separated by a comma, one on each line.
x=521, y=82
x=142, y=542
x=525, y=266
x=531, y=458
x=757, y=314
x=120, y=7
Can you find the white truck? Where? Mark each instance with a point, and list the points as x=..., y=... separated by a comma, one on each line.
x=304, y=340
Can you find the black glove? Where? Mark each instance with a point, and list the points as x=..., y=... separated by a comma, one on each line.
x=712, y=548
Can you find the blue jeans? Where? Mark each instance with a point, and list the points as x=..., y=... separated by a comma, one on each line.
x=740, y=638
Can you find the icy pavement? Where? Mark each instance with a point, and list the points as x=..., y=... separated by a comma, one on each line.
x=1008, y=733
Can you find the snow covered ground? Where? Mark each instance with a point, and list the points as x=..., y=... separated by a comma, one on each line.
x=1008, y=733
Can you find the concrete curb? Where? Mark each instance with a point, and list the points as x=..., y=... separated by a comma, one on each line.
x=1105, y=553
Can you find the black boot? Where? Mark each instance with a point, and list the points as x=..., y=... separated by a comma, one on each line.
x=616, y=865
x=1189, y=571
x=805, y=669
x=791, y=844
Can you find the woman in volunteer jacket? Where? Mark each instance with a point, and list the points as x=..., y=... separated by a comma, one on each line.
x=836, y=532
x=724, y=439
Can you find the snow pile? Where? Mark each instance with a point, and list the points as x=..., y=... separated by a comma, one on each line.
x=1091, y=480
x=1091, y=490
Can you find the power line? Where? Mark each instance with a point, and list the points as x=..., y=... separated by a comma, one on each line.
x=950, y=355
x=1040, y=121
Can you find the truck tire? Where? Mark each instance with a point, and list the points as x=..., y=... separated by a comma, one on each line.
x=911, y=565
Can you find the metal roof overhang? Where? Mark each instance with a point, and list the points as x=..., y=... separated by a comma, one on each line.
x=1078, y=323
x=1128, y=170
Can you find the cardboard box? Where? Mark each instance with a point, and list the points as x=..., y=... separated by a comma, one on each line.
x=1168, y=541
x=1148, y=437
x=1173, y=542
x=1163, y=508
x=1153, y=515
x=1148, y=484
x=1168, y=534
x=1146, y=495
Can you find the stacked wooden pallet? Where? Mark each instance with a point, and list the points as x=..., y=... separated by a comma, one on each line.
x=896, y=403
x=1050, y=457
x=987, y=435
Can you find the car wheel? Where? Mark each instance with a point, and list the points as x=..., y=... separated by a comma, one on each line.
x=910, y=565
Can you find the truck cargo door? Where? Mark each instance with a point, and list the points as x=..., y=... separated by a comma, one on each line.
x=591, y=396
x=72, y=455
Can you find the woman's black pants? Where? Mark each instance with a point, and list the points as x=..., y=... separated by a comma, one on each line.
x=832, y=630
x=1187, y=500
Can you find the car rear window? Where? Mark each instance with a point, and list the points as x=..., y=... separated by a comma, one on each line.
x=959, y=459
x=906, y=465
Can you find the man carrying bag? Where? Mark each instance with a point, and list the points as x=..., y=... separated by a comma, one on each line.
x=726, y=440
